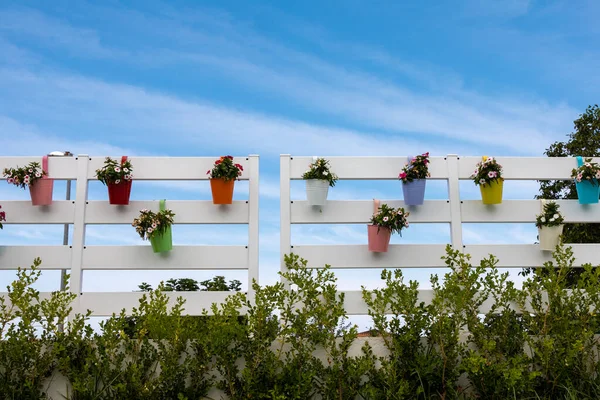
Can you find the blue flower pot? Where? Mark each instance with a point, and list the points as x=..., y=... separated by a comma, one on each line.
x=588, y=192
x=414, y=192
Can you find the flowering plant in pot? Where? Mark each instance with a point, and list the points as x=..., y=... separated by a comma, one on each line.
x=488, y=175
x=222, y=179
x=2, y=217
x=586, y=177
x=385, y=221
x=118, y=178
x=413, y=177
x=318, y=178
x=34, y=176
x=550, y=225
x=156, y=227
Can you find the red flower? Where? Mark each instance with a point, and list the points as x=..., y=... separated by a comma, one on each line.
x=402, y=175
x=217, y=162
x=231, y=158
x=208, y=172
x=239, y=167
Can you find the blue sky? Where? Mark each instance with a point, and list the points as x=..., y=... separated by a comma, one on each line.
x=205, y=78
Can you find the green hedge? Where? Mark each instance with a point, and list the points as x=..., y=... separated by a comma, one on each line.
x=441, y=350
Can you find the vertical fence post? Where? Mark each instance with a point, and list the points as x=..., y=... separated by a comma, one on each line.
x=253, y=225
x=455, y=202
x=285, y=211
x=78, y=243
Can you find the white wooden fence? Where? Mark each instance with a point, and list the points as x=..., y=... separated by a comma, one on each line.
x=80, y=212
x=454, y=211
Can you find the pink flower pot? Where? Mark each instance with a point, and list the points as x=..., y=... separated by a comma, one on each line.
x=41, y=192
x=379, y=238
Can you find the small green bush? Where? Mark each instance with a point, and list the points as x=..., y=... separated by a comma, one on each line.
x=537, y=342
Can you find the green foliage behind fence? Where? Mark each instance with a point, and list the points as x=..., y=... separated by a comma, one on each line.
x=538, y=342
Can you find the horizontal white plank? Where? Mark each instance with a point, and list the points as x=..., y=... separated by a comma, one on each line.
x=360, y=168
x=358, y=256
x=360, y=212
x=181, y=257
x=186, y=212
x=53, y=257
x=525, y=168
x=515, y=211
x=22, y=212
x=530, y=255
x=58, y=167
x=168, y=168
x=105, y=304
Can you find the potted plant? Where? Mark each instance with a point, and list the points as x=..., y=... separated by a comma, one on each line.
x=413, y=177
x=2, y=217
x=222, y=179
x=118, y=178
x=384, y=222
x=36, y=177
x=318, y=180
x=586, y=177
x=156, y=227
x=550, y=225
x=488, y=175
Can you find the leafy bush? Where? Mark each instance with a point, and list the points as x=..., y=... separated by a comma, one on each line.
x=291, y=340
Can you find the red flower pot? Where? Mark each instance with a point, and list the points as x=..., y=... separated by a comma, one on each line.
x=118, y=194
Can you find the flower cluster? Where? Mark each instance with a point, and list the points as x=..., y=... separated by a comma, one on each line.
x=225, y=169
x=319, y=169
x=390, y=218
x=416, y=169
x=2, y=217
x=149, y=223
x=487, y=171
x=550, y=216
x=589, y=171
x=114, y=172
x=24, y=176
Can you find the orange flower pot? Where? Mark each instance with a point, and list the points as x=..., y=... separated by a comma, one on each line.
x=222, y=190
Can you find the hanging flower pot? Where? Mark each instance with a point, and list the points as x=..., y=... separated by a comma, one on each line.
x=36, y=178
x=318, y=180
x=491, y=193
x=156, y=227
x=586, y=177
x=2, y=218
x=384, y=222
x=118, y=178
x=316, y=191
x=41, y=192
x=488, y=175
x=379, y=238
x=550, y=225
x=222, y=179
x=222, y=190
x=413, y=177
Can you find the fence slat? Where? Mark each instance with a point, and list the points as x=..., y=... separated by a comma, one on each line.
x=53, y=257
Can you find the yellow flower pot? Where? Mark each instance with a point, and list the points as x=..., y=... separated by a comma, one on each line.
x=492, y=193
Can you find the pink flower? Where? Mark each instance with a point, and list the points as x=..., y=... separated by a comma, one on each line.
x=492, y=174
x=11, y=180
x=385, y=219
x=127, y=177
x=37, y=175
x=402, y=175
x=117, y=169
x=117, y=181
x=150, y=230
x=30, y=170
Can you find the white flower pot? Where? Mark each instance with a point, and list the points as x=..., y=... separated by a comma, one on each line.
x=549, y=237
x=316, y=191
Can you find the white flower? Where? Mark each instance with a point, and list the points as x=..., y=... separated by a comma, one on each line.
x=127, y=177
x=117, y=169
x=154, y=225
x=117, y=181
x=551, y=219
x=125, y=170
x=587, y=164
x=37, y=175
x=556, y=216
x=385, y=219
x=543, y=219
x=150, y=230
x=406, y=224
x=482, y=181
x=30, y=170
